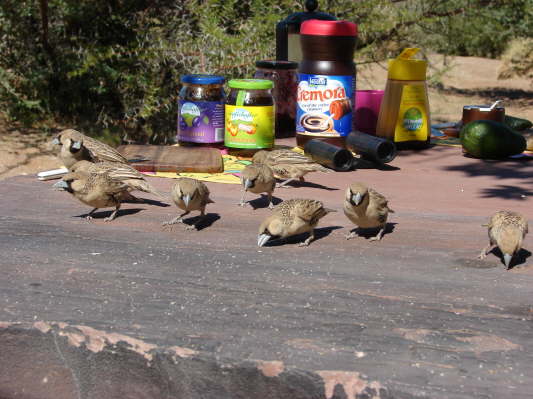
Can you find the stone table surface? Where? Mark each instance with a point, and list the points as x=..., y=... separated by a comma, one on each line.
x=415, y=313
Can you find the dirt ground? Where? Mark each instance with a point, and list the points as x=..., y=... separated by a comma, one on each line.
x=466, y=80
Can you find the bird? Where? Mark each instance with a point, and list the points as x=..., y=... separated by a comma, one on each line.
x=75, y=146
x=134, y=179
x=292, y=217
x=366, y=208
x=506, y=230
x=258, y=178
x=190, y=195
x=98, y=190
x=288, y=164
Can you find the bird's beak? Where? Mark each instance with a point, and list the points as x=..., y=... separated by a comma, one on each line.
x=56, y=141
x=61, y=185
x=247, y=184
x=187, y=199
x=507, y=259
x=262, y=239
x=76, y=145
x=356, y=198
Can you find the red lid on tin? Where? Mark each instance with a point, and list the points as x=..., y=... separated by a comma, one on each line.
x=328, y=28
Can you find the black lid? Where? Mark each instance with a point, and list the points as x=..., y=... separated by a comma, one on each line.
x=276, y=64
x=292, y=24
x=298, y=17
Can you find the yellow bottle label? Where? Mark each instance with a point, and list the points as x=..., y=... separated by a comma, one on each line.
x=412, y=122
x=249, y=127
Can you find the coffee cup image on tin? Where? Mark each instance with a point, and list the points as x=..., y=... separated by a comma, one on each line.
x=317, y=123
x=339, y=108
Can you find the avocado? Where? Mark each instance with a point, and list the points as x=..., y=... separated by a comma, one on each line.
x=491, y=140
x=517, y=123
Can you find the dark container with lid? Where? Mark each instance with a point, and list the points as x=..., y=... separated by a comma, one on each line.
x=285, y=78
x=288, y=31
x=326, y=88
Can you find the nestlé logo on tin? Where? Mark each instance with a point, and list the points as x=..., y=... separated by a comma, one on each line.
x=318, y=93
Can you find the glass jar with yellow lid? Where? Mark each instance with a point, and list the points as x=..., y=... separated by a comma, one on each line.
x=249, y=115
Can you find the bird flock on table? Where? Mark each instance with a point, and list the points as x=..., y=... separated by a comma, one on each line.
x=100, y=177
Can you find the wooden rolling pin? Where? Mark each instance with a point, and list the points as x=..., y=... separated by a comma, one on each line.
x=162, y=158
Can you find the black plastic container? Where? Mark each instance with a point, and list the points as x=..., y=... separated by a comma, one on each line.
x=288, y=31
x=372, y=148
x=329, y=155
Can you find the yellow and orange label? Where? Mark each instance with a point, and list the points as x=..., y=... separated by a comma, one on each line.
x=249, y=127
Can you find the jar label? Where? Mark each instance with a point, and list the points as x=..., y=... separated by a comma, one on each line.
x=412, y=122
x=249, y=127
x=201, y=122
x=325, y=104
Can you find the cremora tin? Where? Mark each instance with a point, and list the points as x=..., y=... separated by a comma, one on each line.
x=326, y=88
x=249, y=114
x=201, y=109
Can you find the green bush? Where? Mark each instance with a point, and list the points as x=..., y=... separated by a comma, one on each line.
x=112, y=67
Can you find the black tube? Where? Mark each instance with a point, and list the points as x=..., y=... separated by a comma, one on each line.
x=329, y=155
x=370, y=147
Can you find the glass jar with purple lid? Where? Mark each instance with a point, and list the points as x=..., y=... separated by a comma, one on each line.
x=285, y=77
x=201, y=110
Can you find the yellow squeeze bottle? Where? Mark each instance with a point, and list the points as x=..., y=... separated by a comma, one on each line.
x=404, y=113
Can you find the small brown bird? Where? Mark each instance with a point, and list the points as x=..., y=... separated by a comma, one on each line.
x=506, y=231
x=292, y=217
x=287, y=164
x=98, y=190
x=258, y=179
x=134, y=179
x=190, y=195
x=75, y=146
x=366, y=208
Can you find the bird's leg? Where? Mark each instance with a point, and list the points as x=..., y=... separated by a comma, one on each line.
x=177, y=219
x=379, y=235
x=283, y=184
x=198, y=221
x=485, y=251
x=308, y=239
x=270, y=204
x=242, y=203
x=89, y=216
x=352, y=234
x=113, y=215
x=302, y=180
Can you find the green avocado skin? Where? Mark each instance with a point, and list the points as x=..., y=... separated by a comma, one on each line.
x=491, y=140
x=517, y=123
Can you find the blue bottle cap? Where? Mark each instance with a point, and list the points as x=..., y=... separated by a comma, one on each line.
x=201, y=79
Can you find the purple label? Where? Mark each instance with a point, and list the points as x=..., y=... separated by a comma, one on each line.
x=201, y=122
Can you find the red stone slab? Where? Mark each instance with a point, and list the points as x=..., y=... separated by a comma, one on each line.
x=415, y=313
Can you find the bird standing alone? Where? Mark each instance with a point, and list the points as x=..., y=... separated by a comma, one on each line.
x=258, y=178
x=287, y=164
x=75, y=146
x=190, y=195
x=134, y=179
x=366, y=208
x=506, y=230
x=98, y=190
x=292, y=217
